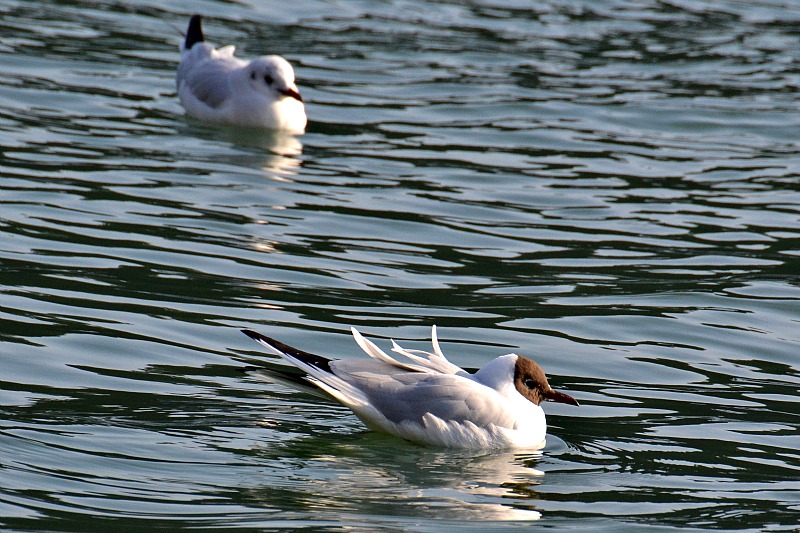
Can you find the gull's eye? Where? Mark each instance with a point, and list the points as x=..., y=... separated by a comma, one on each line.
x=252, y=75
x=529, y=383
x=268, y=79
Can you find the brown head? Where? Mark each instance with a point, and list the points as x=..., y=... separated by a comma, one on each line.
x=530, y=381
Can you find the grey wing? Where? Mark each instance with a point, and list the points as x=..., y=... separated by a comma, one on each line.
x=208, y=82
x=408, y=396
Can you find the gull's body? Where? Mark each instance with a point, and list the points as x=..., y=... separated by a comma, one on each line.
x=214, y=86
x=430, y=400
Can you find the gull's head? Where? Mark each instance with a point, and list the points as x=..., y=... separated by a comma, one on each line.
x=531, y=382
x=272, y=75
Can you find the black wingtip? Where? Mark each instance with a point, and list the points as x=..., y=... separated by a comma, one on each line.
x=194, y=34
x=252, y=334
x=309, y=358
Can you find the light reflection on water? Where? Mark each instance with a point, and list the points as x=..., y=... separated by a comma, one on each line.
x=610, y=189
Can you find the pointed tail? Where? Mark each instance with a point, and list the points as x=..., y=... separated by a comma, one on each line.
x=282, y=350
x=194, y=34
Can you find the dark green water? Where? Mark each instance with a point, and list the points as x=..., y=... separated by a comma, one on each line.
x=611, y=188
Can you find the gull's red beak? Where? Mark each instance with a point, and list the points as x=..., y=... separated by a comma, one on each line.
x=560, y=397
x=292, y=93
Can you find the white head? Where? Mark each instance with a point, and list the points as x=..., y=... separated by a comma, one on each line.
x=272, y=75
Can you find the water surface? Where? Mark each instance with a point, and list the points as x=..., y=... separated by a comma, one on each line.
x=611, y=188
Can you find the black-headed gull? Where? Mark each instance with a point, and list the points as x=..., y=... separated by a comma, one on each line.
x=429, y=400
x=214, y=86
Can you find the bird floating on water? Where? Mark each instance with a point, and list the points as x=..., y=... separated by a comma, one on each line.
x=214, y=86
x=428, y=400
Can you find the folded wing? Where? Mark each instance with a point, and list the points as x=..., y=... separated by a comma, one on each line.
x=384, y=387
x=401, y=396
x=204, y=73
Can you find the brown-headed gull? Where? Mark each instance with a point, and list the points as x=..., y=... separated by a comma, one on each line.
x=429, y=400
x=216, y=87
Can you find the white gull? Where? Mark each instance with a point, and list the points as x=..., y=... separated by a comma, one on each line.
x=214, y=86
x=429, y=400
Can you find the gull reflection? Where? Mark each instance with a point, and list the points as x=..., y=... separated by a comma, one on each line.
x=280, y=151
x=363, y=472
x=285, y=161
x=276, y=154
